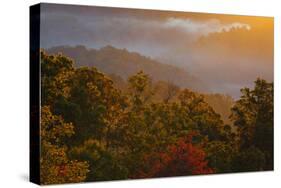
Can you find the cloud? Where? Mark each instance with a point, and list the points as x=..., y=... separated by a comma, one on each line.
x=203, y=27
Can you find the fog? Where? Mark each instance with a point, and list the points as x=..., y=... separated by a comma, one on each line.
x=226, y=52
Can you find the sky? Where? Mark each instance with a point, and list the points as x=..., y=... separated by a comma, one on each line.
x=227, y=52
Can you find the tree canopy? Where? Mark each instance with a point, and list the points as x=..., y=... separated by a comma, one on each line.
x=93, y=130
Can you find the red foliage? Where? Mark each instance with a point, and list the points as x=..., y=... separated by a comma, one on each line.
x=62, y=170
x=182, y=158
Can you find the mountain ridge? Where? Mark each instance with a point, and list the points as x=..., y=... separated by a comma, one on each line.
x=124, y=63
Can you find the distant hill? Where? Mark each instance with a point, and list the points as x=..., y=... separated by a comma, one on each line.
x=123, y=63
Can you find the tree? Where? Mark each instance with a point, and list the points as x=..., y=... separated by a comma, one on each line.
x=253, y=116
x=55, y=74
x=55, y=166
x=220, y=155
x=205, y=119
x=140, y=88
x=100, y=104
x=83, y=96
x=182, y=158
x=105, y=164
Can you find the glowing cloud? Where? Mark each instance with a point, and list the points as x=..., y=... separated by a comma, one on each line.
x=203, y=27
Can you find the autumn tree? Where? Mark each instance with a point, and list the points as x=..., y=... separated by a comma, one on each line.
x=181, y=158
x=55, y=165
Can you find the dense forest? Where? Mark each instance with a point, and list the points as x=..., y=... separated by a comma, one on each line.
x=98, y=126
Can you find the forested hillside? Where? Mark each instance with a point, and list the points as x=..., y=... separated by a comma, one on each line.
x=123, y=63
x=96, y=126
